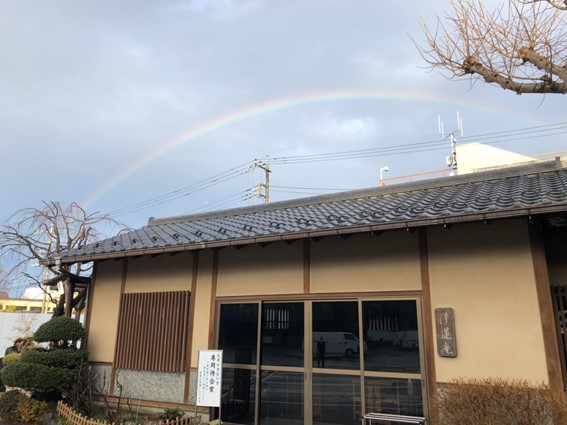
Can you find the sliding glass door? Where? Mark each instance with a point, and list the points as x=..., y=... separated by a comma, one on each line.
x=320, y=362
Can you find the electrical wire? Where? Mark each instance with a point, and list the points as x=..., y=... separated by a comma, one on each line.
x=391, y=150
x=433, y=145
x=185, y=191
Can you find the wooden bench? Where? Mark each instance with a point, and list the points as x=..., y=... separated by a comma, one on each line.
x=371, y=418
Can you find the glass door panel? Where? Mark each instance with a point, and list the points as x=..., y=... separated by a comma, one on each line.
x=281, y=399
x=238, y=333
x=238, y=396
x=336, y=399
x=335, y=384
x=335, y=335
x=282, y=384
x=390, y=330
x=395, y=396
x=282, y=334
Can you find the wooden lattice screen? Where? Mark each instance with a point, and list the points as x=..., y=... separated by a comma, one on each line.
x=153, y=331
x=560, y=306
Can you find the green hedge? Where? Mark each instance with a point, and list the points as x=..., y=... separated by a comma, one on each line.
x=68, y=359
x=9, y=402
x=59, y=329
x=36, y=377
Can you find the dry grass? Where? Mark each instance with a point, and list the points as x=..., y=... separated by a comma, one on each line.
x=500, y=402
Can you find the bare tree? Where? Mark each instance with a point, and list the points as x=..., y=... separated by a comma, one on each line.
x=520, y=46
x=33, y=234
x=559, y=4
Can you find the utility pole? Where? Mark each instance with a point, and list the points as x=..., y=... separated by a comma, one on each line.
x=266, y=184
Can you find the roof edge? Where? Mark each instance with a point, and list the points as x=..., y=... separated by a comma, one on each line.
x=555, y=164
x=409, y=225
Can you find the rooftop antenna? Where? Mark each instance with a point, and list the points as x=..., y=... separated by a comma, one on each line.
x=452, y=159
x=383, y=170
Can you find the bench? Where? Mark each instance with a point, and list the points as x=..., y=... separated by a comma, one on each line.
x=371, y=418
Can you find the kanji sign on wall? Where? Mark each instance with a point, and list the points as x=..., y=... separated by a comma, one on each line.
x=446, y=335
x=209, y=378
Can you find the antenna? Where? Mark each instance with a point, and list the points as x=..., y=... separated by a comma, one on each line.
x=451, y=160
x=440, y=125
x=460, y=125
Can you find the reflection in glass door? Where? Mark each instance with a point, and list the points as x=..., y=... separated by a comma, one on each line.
x=392, y=364
x=320, y=362
x=336, y=363
x=282, y=363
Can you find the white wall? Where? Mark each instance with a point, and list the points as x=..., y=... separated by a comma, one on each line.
x=11, y=322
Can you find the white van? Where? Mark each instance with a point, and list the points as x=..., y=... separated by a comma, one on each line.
x=406, y=339
x=337, y=343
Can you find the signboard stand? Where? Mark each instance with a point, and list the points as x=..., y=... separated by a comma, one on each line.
x=209, y=380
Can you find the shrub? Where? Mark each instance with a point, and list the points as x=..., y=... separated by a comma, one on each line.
x=69, y=359
x=59, y=329
x=170, y=414
x=12, y=357
x=31, y=411
x=9, y=403
x=36, y=377
x=499, y=402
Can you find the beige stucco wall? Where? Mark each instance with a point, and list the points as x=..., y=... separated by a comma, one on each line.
x=104, y=314
x=389, y=262
x=202, y=315
x=253, y=270
x=485, y=273
x=160, y=273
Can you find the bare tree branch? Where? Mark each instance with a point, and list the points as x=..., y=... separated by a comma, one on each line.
x=31, y=235
x=520, y=46
x=558, y=4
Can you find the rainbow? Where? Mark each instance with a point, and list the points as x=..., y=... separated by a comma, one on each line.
x=270, y=107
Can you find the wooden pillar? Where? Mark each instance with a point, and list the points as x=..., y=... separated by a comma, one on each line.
x=543, y=289
x=429, y=347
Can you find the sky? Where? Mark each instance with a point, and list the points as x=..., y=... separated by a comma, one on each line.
x=135, y=108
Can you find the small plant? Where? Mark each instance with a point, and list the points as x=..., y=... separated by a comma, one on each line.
x=31, y=411
x=170, y=414
x=12, y=357
x=9, y=402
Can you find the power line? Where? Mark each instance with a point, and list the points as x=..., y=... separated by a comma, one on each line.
x=391, y=150
x=433, y=145
x=185, y=191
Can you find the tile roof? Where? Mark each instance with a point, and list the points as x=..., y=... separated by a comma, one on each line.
x=510, y=192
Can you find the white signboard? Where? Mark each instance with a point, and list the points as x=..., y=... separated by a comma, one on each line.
x=209, y=378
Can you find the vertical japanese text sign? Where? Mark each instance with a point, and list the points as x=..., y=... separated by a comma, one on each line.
x=209, y=378
x=446, y=336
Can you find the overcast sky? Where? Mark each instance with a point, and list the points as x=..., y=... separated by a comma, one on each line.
x=114, y=103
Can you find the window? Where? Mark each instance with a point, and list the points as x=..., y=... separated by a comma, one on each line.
x=153, y=331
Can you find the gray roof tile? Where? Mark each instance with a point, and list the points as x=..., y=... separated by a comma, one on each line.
x=517, y=191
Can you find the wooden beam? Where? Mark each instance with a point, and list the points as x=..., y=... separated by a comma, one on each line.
x=543, y=289
x=122, y=288
x=429, y=348
x=90, y=296
x=194, y=276
x=306, y=266
x=212, y=311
